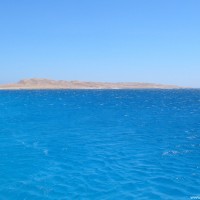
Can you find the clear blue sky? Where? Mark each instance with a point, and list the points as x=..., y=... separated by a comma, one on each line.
x=101, y=40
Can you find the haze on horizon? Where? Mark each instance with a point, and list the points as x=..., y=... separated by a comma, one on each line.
x=109, y=40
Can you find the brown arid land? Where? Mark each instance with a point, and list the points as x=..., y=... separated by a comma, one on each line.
x=36, y=83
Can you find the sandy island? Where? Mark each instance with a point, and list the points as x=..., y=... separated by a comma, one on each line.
x=36, y=83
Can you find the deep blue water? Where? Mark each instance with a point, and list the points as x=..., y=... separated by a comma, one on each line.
x=99, y=144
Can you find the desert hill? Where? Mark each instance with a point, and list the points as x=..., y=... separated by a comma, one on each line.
x=36, y=83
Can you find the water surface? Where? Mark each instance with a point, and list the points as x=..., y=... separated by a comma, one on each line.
x=99, y=144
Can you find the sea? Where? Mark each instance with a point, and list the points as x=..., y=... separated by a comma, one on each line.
x=100, y=144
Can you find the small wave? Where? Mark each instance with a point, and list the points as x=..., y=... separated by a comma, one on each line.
x=168, y=153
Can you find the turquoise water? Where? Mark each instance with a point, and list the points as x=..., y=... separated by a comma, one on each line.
x=117, y=144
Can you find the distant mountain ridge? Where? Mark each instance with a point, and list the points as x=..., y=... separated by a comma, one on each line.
x=39, y=83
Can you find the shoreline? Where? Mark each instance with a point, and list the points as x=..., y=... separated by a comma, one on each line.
x=13, y=89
